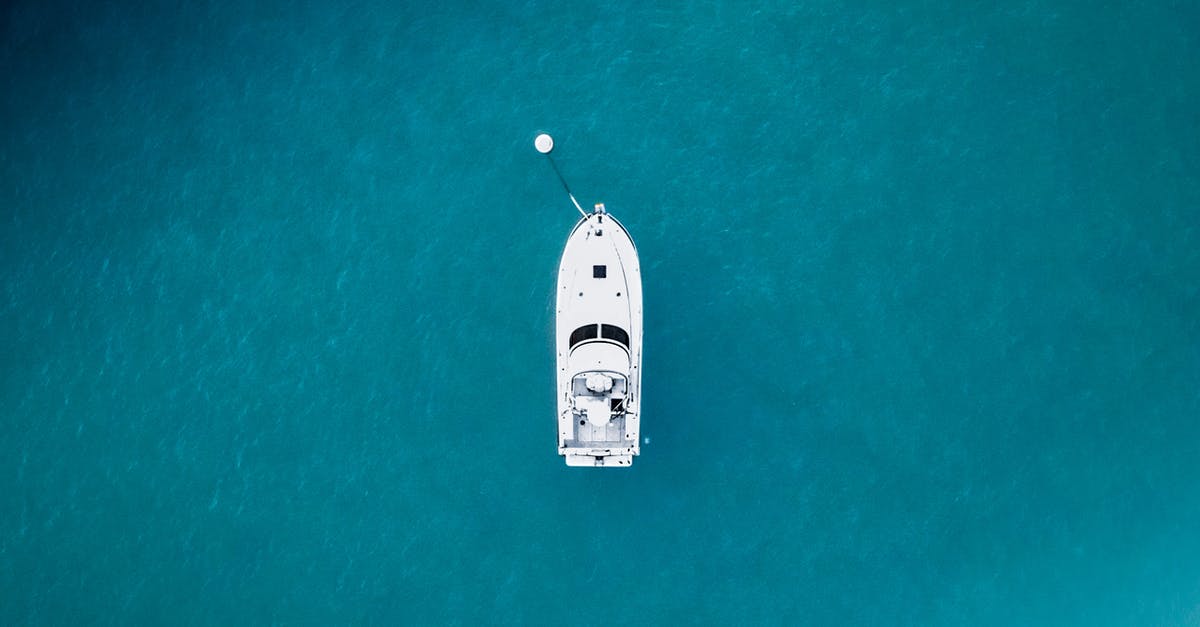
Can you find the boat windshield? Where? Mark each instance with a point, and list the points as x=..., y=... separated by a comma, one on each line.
x=582, y=334
x=616, y=334
x=605, y=331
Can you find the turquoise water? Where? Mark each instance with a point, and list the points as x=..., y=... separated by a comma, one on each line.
x=922, y=313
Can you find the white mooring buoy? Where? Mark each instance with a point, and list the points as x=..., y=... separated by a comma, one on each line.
x=544, y=143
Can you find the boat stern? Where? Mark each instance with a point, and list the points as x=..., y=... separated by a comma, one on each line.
x=598, y=457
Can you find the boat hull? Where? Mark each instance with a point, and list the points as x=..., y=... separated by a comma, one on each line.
x=598, y=345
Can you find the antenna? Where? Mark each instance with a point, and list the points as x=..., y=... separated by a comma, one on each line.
x=544, y=144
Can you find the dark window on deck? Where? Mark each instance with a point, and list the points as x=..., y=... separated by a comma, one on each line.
x=599, y=272
x=583, y=333
x=617, y=334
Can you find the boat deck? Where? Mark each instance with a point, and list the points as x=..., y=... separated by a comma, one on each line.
x=598, y=344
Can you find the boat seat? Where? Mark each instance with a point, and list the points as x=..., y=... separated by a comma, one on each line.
x=615, y=387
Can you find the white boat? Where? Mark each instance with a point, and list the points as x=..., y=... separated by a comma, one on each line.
x=598, y=339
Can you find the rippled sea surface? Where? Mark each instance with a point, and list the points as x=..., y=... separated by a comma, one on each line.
x=922, y=312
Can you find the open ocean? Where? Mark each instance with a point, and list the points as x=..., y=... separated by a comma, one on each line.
x=922, y=312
